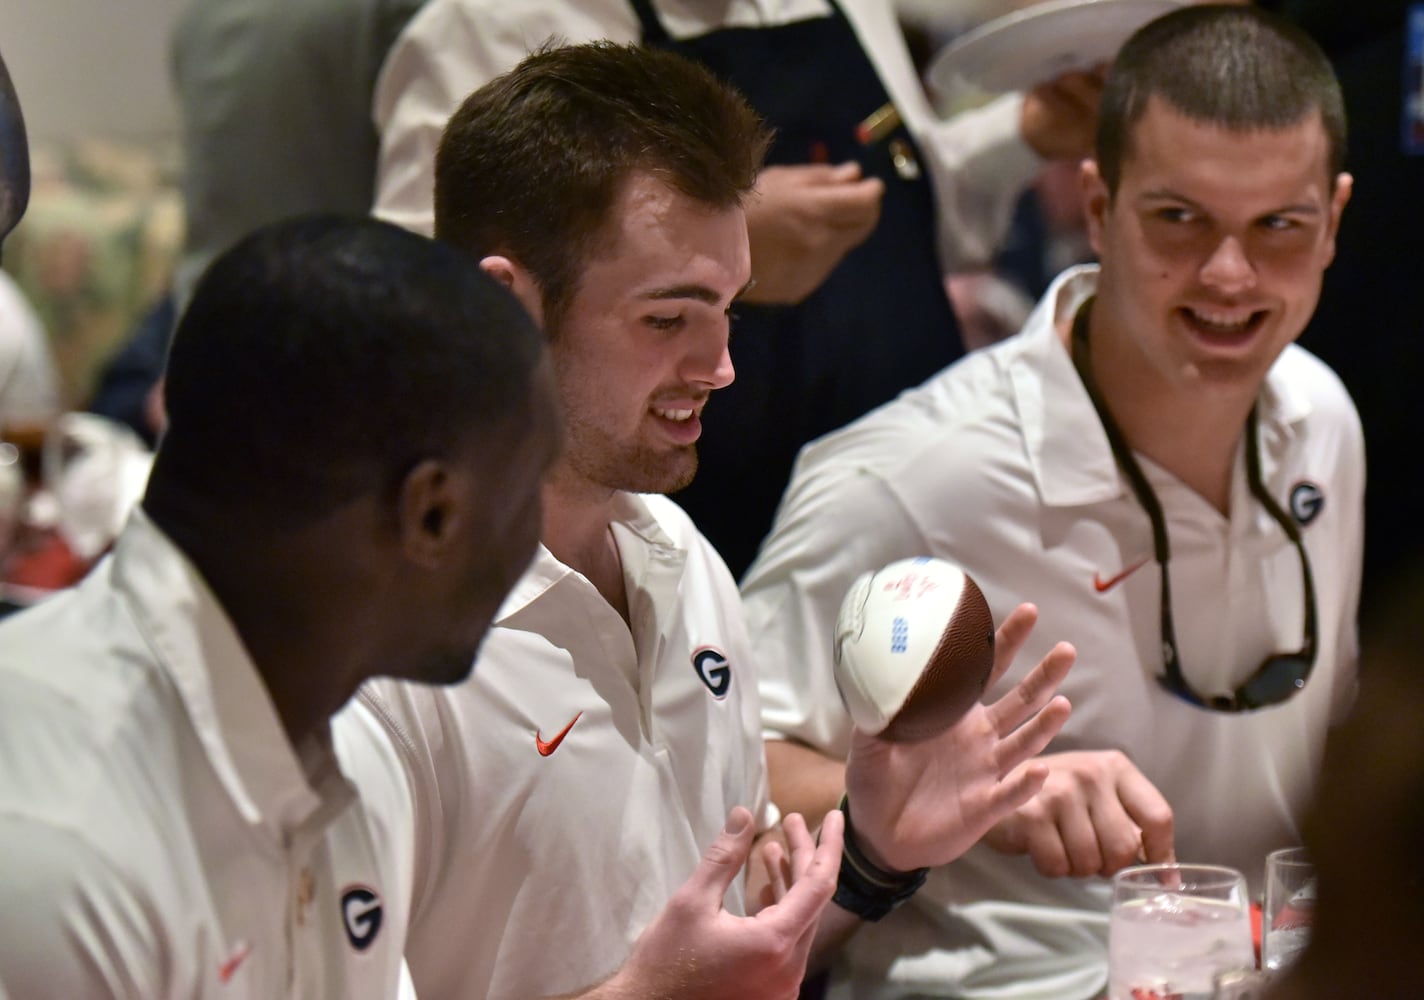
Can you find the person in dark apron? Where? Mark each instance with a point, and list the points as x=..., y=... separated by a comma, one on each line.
x=880, y=323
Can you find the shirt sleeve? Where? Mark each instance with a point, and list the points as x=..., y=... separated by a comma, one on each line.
x=71, y=925
x=793, y=594
x=447, y=51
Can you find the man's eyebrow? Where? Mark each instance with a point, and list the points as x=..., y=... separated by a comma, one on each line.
x=1167, y=194
x=1301, y=208
x=699, y=293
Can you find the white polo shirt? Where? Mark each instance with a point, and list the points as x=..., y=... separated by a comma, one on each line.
x=571, y=785
x=1000, y=464
x=160, y=837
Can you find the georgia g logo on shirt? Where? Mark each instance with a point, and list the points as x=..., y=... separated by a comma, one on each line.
x=713, y=670
x=361, y=916
x=1307, y=500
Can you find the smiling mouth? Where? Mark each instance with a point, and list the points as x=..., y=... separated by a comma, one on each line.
x=677, y=416
x=1224, y=324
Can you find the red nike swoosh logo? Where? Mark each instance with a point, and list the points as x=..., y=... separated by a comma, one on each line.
x=1101, y=585
x=547, y=747
x=226, y=970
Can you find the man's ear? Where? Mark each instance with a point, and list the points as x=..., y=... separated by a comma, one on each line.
x=1097, y=201
x=516, y=277
x=1344, y=187
x=428, y=512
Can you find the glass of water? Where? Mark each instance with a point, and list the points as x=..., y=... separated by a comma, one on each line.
x=1173, y=928
x=1289, y=909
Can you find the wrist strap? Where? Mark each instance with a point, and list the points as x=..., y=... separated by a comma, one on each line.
x=866, y=889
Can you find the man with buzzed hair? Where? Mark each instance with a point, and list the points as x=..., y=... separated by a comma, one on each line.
x=615, y=705
x=1163, y=473
x=359, y=421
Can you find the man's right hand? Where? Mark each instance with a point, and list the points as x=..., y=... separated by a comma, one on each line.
x=696, y=950
x=1096, y=813
x=801, y=220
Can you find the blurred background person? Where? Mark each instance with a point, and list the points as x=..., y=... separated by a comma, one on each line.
x=274, y=98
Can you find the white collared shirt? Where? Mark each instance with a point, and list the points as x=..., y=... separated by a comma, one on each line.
x=999, y=464
x=160, y=836
x=29, y=383
x=978, y=160
x=570, y=786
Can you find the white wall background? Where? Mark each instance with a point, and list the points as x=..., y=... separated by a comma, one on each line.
x=91, y=67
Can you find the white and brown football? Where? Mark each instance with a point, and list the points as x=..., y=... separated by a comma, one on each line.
x=914, y=648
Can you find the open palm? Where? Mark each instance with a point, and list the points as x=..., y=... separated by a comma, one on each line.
x=925, y=803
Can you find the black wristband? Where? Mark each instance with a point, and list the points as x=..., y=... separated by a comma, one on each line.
x=866, y=889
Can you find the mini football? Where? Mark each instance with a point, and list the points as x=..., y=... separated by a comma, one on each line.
x=914, y=648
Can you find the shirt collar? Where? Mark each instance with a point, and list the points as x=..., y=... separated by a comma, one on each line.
x=1067, y=447
x=631, y=511
x=197, y=646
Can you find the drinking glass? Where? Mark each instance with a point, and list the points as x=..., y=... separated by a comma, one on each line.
x=1173, y=928
x=1289, y=909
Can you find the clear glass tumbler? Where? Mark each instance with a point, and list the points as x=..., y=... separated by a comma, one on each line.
x=1289, y=908
x=1173, y=928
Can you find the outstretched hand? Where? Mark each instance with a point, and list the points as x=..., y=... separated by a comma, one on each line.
x=924, y=804
x=695, y=950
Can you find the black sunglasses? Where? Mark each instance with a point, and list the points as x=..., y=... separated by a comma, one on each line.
x=1280, y=675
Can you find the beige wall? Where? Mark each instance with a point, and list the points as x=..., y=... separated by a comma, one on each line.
x=91, y=67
